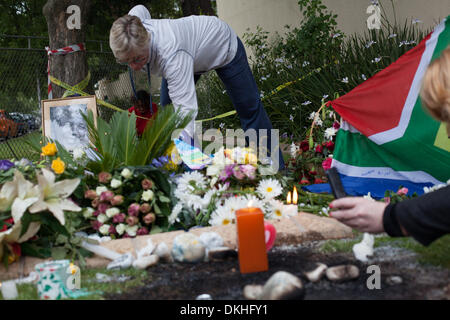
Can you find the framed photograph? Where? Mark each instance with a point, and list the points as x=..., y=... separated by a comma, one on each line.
x=62, y=120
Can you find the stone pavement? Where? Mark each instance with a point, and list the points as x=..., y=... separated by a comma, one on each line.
x=302, y=228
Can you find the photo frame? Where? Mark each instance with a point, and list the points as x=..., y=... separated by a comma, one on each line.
x=62, y=120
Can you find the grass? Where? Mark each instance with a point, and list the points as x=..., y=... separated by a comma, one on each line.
x=88, y=283
x=437, y=254
x=20, y=148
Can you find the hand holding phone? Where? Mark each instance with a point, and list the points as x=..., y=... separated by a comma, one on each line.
x=336, y=184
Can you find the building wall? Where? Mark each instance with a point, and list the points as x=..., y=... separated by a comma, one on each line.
x=273, y=15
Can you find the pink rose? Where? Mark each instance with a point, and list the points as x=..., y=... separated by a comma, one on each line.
x=403, y=191
x=95, y=202
x=102, y=207
x=117, y=200
x=119, y=218
x=106, y=196
x=147, y=184
x=145, y=208
x=96, y=225
x=104, y=177
x=90, y=194
x=149, y=218
x=133, y=209
x=142, y=231
x=326, y=164
x=132, y=220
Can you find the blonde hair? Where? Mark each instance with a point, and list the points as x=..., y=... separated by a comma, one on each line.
x=127, y=35
x=435, y=91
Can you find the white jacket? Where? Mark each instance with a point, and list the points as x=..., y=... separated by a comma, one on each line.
x=180, y=48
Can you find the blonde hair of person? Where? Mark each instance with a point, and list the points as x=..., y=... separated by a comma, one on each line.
x=128, y=36
x=435, y=91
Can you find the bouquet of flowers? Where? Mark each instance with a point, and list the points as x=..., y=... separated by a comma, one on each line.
x=230, y=183
x=128, y=202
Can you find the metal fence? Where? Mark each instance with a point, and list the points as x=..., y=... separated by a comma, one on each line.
x=23, y=84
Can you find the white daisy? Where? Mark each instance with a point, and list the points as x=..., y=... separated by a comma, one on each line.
x=278, y=210
x=222, y=216
x=189, y=181
x=269, y=188
x=345, y=80
x=293, y=150
x=235, y=203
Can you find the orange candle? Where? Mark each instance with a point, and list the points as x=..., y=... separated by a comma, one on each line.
x=252, y=250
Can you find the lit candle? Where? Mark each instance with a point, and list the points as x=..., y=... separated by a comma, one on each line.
x=252, y=250
x=288, y=199
x=9, y=290
x=294, y=196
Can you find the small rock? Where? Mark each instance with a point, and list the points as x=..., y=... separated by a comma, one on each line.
x=146, y=261
x=204, y=296
x=221, y=253
x=101, y=277
x=188, y=248
x=252, y=291
x=162, y=251
x=123, y=262
x=283, y=286
x=147, y=250
x=316, y=274
x=211, y=240
x=342, y=273
x=364, y=249
x=393, y=280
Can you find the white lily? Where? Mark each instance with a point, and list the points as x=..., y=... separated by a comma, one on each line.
x=53, y=196
x=7, y=195
x=12, y=235
x=27, y=194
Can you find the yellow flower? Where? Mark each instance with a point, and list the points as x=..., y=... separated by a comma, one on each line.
x=58, y=166
x=49, y=149
x=174, y=158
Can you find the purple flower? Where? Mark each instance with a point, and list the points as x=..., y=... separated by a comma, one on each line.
x=249, y=171
x=106, y=196
x=96, y=224
x=238, y=173
x=6, y=165
x=102, y=207
x=227, y=172
x=142, y=231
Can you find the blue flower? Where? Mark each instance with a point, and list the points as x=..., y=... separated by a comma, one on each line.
x=6, y=165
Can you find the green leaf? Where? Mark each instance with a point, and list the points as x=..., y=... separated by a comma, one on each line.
x=157, y=209
x=164, y=199
x=155, y=229
x=26, y=220
x=59, y=253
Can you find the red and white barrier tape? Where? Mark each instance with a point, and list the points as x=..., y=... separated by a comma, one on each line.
x=57, y=52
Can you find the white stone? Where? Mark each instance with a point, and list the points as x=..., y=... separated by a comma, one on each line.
x=147, y=250
x=393, y=280
x=9, y=290
x=162, y=251
x=145, y=261
x=282, y=286
x=342, y=273
x=252, y=291
x=211, y=240
x=316, y=274
x=188, y=248
x=123, y=262
x=101, y=277
x=364, y=249
x=204, y=296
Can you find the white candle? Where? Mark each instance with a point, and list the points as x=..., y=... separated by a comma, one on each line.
x=9, y=290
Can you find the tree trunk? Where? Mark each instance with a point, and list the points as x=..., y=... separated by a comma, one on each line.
x=71, y=68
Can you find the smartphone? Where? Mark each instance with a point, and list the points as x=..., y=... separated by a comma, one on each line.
x=336, y=184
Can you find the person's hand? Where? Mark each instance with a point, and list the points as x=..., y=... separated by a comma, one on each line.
x=365, y=215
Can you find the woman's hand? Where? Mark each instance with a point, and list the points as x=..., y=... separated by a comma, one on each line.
x=365, y=215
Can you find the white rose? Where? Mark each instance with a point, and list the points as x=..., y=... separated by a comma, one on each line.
x=100, y=189
x=87, y=212
x=131, y=230
x=126, y=173
x=102, y=218
x=120, y=228
x=104, y=229
x=111, y=212
x=147, y=195
x=115, y=183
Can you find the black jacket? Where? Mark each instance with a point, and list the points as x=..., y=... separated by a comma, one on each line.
x=425, y=218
